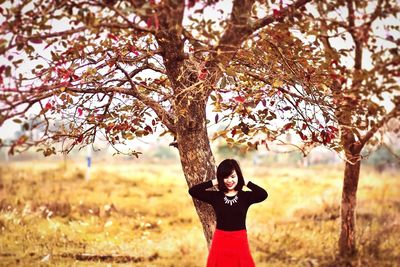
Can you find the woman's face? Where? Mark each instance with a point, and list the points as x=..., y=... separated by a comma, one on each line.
x=231, y=181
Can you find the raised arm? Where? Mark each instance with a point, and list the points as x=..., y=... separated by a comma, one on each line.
x=199, y=191
x=257, y=193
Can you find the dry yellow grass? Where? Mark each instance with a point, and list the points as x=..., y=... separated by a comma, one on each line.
x=143, y=214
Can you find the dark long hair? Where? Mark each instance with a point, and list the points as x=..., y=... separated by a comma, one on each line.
x=225, y=168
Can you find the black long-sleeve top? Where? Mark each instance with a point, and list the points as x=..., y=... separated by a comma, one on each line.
x=231, y=216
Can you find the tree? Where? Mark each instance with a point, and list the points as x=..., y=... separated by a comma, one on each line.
x=92, y=62
x=364, y=84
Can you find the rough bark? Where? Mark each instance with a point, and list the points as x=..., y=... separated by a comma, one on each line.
x=347, y=239
x=352, y=148
x=197, y=160
x=189, y=107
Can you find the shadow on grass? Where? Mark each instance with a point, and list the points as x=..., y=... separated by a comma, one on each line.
x=108, y=258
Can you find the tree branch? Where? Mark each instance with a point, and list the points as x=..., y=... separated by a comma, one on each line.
x=354, y=35
x=164, y=116
x=169, y=38
x=237, y=30
x=240, y=28
x=282, y=13
x=392, y=114
x=72, y=31
x=376, y=12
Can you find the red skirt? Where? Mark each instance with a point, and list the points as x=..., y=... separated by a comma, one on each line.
x=230, y=248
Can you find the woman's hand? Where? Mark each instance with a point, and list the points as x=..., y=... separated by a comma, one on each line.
x=214, y=181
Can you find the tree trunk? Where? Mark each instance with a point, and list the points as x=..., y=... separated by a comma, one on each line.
x=197, y=160
x=347, y=240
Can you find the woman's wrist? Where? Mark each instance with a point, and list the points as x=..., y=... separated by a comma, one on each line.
x=214, y=181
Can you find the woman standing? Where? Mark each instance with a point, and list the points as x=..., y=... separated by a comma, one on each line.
x=229, y=245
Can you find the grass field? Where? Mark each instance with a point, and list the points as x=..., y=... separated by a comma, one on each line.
x=132, y=214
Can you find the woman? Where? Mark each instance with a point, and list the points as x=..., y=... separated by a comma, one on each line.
x=229, y=245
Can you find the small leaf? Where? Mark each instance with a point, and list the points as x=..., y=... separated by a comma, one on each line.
x=277, y=83
x=302, y=136
x=148, y=128
x=202, y=75
x=156, y=22
x=324, y=87
x=36, y=40
x=287, y=126
x=19, y=61
x=149, y=22
x=128, y=136
x=230, y=71
x=264, y=102
x=223, y=83
x=25, y=126
x=276, y=13
x=133, y=50
x=112, y=36
x=8, y=71
x=140, y=133
x=333, y=129
x=240, y=99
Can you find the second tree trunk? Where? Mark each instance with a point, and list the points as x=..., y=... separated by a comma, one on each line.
x=347, y=239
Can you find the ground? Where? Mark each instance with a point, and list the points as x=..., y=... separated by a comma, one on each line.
x=140, y=214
